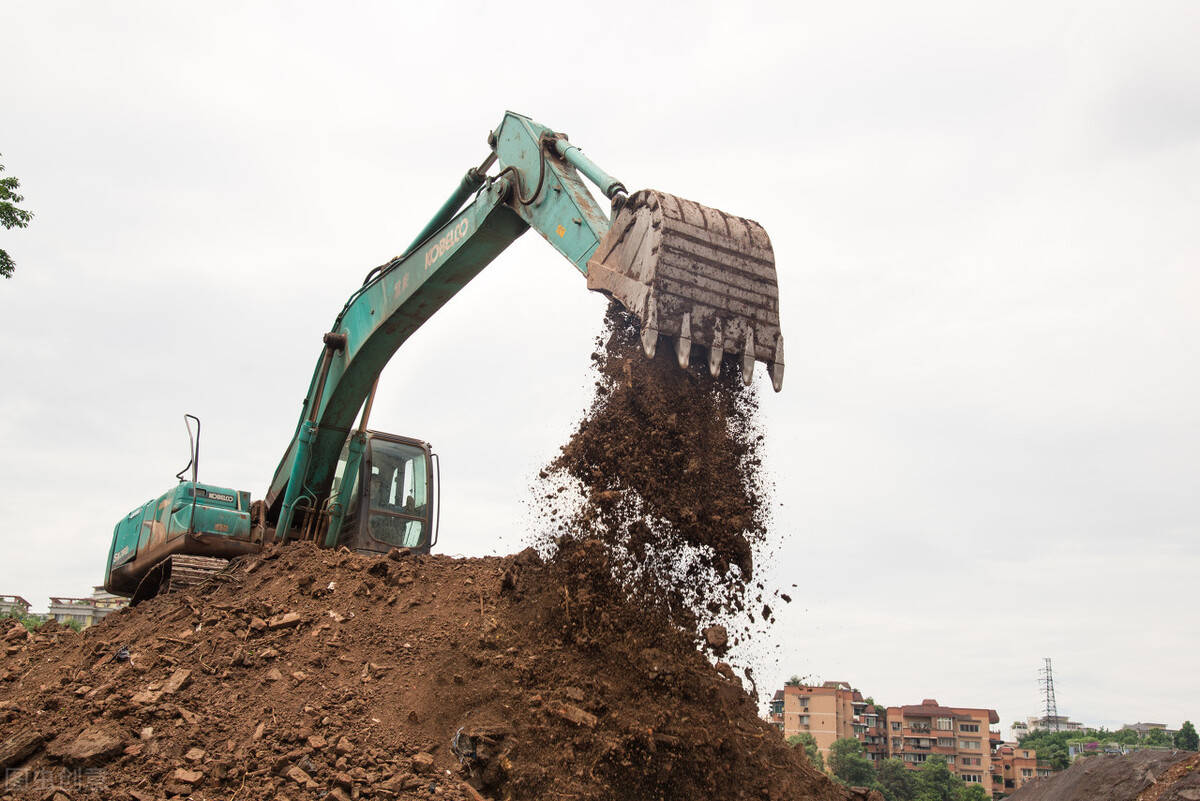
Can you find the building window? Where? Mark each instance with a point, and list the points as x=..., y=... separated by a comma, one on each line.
x=971, y=777
x=945, y=742
x=1026, y=773
x=897, y=743
x=968, y=727
x=895, y=725
x=945, y=724
x=968, y=745
x=1026, y=753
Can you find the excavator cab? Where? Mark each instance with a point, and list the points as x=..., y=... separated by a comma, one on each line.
x=391, y=498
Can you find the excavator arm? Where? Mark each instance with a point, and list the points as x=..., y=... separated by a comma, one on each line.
x=696, y=275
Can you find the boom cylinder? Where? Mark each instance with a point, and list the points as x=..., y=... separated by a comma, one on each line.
x=607, y=184
x=470, y=182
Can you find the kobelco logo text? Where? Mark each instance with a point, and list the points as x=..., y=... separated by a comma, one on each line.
x=449, y=240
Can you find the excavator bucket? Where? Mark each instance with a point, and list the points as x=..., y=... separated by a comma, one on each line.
x=696, y=275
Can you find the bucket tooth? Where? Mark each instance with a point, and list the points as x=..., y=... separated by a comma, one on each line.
x=683, y=345
x=716, y=352
x=748, y=359
x=775, y=368
x=668, y=260
x=650, y=332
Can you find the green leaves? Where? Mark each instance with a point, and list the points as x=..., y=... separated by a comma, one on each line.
x=809, y=743
x=1186, y=738
x=11, y=216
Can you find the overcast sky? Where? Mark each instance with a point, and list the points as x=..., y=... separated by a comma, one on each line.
x=985, y=224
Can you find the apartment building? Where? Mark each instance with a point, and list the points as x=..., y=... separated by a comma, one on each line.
x=85, y=611
x=961, y=735
x=830, y=711
x=1050, y=723
x=13, y=606
x=1013, y=766
x=825, y=711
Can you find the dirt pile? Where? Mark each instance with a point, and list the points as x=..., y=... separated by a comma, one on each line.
x=667, y=471
x=307, y=674
x=1139, y=776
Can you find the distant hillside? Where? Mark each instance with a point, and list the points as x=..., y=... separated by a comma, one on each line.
x=1140, y=776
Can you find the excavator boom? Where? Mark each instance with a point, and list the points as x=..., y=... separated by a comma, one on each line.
x=703, y=278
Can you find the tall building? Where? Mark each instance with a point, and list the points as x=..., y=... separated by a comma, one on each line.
x=831, y=711
x=960, y=735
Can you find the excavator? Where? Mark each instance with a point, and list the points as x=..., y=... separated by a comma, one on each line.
x=697, y=279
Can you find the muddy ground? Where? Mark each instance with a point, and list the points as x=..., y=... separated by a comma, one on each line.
x=307, y=674
x=1140, y=776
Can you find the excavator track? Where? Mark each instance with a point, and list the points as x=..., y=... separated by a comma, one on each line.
x=177, y=572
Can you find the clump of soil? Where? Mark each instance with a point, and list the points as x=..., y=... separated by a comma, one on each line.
x=310, y=674
x=669, y=475
x=1138, y=776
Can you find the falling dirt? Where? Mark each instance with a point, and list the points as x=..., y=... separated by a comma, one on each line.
x=668, y=470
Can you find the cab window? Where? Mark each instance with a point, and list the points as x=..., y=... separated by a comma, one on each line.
x=398, y=494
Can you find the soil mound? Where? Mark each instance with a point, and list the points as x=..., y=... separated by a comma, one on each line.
x=1139, y=776
x=306, y=674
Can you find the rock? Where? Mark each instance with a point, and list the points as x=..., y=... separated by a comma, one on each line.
x=145, y=697
x=300, y=777
x=338, y=794
x=17, y=633
x=257, y=624
x=274, y=675
x=716, y=638
x=401, y=781
x=94, y=746
x=396, y=554
x=316, y=742
x=575, y=715
x=286, y=620
x=19, y=747
x=574, y=693
x=344, y=746
x=185, y=776
x=299, y=675
x=195, y=754
x=179, y=679
x=422, y=762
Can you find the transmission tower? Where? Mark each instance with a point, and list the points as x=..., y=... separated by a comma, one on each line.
x=1051, y=707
